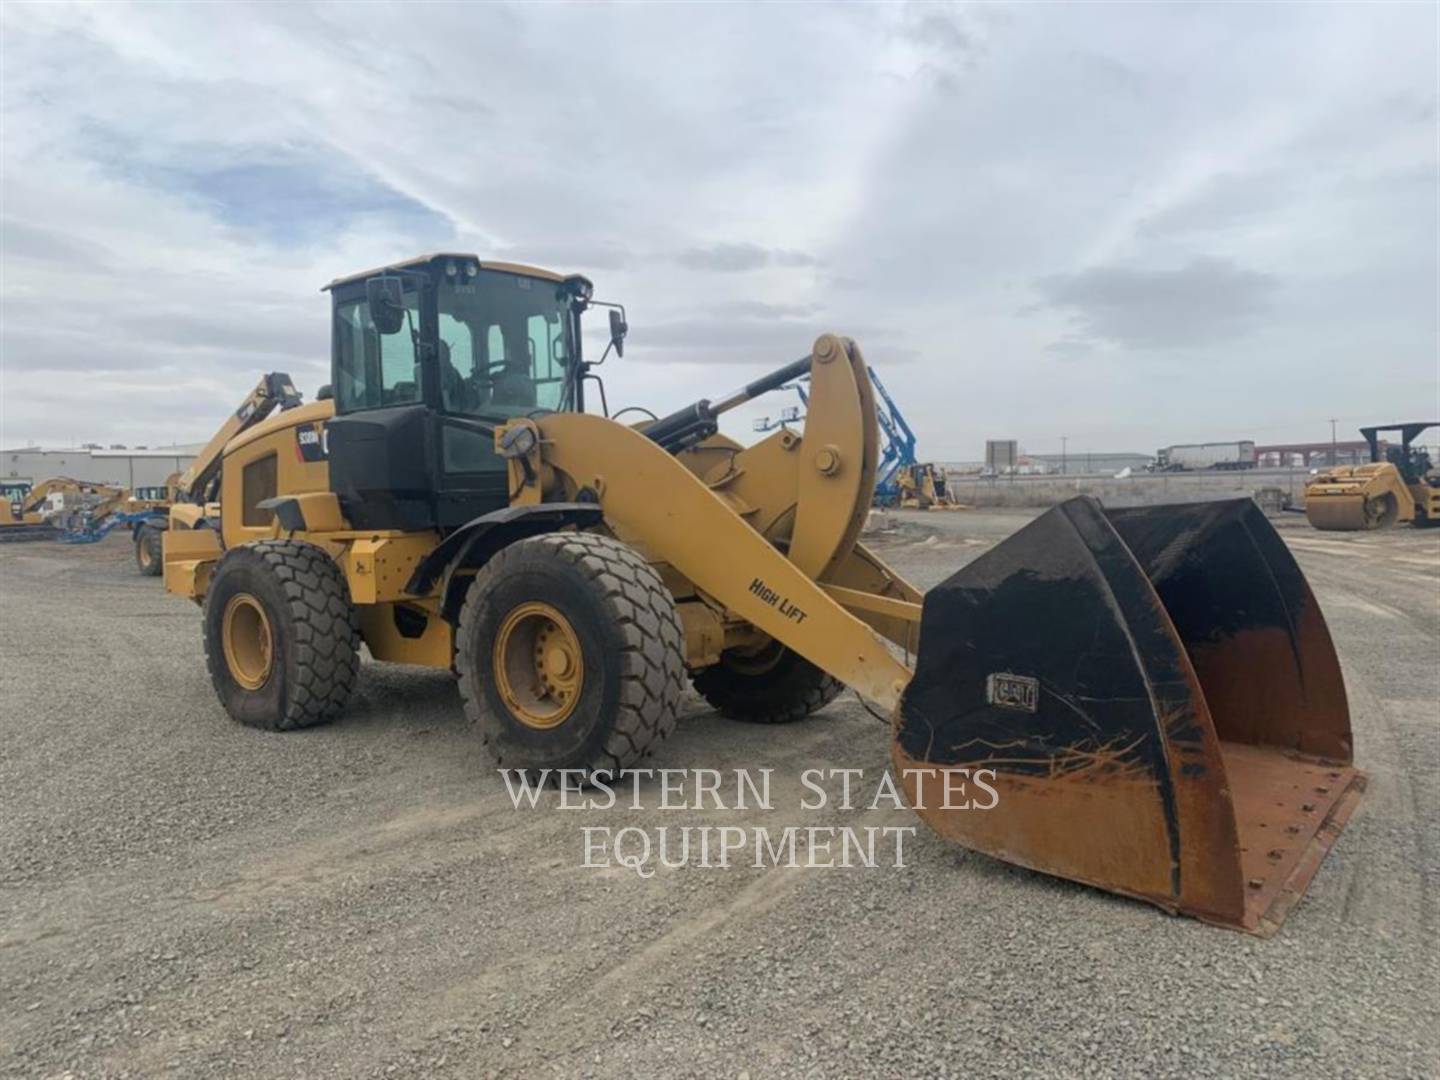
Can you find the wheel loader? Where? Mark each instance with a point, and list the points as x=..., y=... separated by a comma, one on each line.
x=1398, y=486
x=1154, y=689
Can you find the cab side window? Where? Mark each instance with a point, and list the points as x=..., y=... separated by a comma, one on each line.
x=374, y=370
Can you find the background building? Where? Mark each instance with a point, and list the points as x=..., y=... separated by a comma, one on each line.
x=125, y=467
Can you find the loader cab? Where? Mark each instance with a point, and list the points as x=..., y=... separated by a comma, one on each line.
x=14, y=493
x=427, y=358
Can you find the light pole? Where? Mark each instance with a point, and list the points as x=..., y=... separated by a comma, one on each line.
x=1333, y=460
x=1063, y=468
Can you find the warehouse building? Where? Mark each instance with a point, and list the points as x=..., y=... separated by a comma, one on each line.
x=121, y=466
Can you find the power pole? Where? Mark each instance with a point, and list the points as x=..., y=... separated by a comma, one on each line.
x=1063, y=468
x=1333, y=457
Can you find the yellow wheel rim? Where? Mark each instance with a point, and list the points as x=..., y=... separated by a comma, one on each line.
x=539, y=667
x=249, y=649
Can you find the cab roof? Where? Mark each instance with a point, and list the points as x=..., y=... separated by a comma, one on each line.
x=421, y=260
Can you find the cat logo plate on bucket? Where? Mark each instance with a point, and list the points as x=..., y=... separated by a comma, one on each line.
x=1012, y=691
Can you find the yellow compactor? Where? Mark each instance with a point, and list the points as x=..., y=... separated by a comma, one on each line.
x=1154, y=689
x=1398, y=486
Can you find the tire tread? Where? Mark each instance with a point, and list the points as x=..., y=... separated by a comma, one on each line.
x=652, y=677
x=326, y=633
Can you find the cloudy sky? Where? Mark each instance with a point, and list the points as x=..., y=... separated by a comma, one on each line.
x=1132, y=225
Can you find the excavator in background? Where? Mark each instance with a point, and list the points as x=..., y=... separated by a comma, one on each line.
x=81, y=512
x=1400, y=485
x=52, y=508
x=144, y=507
x=13, y=496
x=1151, y=693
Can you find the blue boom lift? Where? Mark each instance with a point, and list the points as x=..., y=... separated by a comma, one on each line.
x=897, y=449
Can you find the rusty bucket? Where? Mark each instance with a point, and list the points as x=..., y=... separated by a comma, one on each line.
x=1157, y=694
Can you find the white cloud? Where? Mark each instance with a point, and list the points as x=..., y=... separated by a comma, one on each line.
x=954, y=187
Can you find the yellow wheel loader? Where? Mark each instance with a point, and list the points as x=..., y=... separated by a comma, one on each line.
x=148, y=512
x=1154, y=690
x=1397, y=487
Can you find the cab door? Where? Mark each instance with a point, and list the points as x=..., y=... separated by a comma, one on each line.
x=473, y=478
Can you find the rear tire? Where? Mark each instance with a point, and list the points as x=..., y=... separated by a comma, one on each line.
x=774, y=686
x=149, y=553
x=281, y=639
x=570, y=654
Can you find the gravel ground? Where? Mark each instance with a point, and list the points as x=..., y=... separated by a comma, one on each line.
x=182, y=895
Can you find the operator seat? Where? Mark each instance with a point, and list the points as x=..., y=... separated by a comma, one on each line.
x=513, y=386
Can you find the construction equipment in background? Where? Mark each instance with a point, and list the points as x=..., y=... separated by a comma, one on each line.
x=897, y=447
x=925, y=487
x=1152, y=693
x=900, y=480
x=1400, y=485
x=144, y=511
x=148, y=515
x=190, y=497
x=52, y=508
x=13, y=496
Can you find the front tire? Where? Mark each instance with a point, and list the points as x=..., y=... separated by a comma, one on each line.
x=281, y=639
x=570, y=654
x=149, y=557
x=774, y=685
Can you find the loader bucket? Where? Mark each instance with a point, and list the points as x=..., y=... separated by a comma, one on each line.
x=1158, y=697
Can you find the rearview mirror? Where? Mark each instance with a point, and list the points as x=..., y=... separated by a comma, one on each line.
x=618, y=329
x=387, y=303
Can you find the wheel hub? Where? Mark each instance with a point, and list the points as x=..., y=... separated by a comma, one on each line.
x=248, y=642
x=539, y=666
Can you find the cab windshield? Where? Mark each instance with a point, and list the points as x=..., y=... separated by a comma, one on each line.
x=506, y=344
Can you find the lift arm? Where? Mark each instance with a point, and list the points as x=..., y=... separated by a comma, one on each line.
x=271, y=391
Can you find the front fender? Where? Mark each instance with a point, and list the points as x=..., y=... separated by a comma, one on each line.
x=473, y=543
